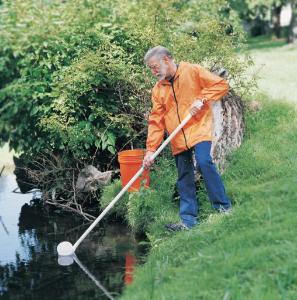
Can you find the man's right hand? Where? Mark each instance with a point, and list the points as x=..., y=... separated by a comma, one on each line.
x=148, y=161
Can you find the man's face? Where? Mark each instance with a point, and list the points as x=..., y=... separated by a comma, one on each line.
x=158, y=67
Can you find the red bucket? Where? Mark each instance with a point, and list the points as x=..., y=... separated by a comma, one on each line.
x=130, y=163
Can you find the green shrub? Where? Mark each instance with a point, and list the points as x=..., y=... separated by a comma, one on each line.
x=73, y=83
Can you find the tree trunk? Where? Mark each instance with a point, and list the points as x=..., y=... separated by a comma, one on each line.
x=228, y=127
x=228, y=130
x=276, y=12
x=292, y=34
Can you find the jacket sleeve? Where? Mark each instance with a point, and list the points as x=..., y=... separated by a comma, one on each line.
x=212, y=86
x=156, y=125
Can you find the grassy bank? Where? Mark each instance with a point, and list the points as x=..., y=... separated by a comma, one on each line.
x=251, y=253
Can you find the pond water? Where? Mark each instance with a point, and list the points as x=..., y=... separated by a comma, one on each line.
x=29, y=266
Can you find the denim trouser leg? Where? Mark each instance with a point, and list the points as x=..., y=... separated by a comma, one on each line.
x=213, y=182
x=186, y=188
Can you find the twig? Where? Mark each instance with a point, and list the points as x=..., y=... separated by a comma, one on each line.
x=87, y=216
x=121, y=98
x=5, y=228
x=74, y=189
x=74, y=229
x=2, y=171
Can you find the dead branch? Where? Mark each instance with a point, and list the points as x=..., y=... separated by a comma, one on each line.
x=85, y=215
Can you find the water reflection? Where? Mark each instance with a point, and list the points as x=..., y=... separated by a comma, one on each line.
x=93, y=278
x=10, y=207
x=4, y=227
x=28, y=258
x=129, y=268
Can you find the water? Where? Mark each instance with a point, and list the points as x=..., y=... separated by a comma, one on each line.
x=29, y=266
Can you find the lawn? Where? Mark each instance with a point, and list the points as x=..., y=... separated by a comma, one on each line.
x=276, y=66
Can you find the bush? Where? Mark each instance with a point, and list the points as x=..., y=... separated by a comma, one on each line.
x=73, y=84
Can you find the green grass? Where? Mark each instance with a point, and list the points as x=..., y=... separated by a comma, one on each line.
x=250, y=254
x=264, y=42
x=275, y=65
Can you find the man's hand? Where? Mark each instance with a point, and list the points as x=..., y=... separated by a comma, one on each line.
x=196, y=106
x=147, y=161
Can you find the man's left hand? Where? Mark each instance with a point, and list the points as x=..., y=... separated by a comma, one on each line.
x=196, y=106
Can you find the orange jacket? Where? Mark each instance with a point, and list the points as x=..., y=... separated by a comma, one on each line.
x=191, y=82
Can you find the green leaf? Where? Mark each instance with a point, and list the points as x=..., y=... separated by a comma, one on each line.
x=111, y=149
x=111, y=138
x=104, y=145
x=82, y=124
x=34, y=111
x=98, y=143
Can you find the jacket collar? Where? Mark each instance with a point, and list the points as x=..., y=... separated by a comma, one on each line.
x=178, y=72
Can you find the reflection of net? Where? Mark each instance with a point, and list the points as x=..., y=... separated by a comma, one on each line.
x=94, y=279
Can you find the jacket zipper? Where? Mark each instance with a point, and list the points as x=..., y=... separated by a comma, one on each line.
x=174, y=96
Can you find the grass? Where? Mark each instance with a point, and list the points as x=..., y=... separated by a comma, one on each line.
x=276, y=65
x=264, y=42
x=249, y=254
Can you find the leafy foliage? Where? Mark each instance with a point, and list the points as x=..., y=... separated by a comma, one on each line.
x=263, y=16
x=72, y=76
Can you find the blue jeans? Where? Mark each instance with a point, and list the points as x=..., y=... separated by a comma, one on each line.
x=189, y=206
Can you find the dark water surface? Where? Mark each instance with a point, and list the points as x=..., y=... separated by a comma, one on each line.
x=29, y=266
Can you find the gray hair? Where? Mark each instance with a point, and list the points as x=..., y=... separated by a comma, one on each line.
x=158, y=51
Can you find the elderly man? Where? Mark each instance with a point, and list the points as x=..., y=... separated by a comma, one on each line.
x=184, y=88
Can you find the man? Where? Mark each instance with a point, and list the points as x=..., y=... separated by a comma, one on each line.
x=181, y=89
